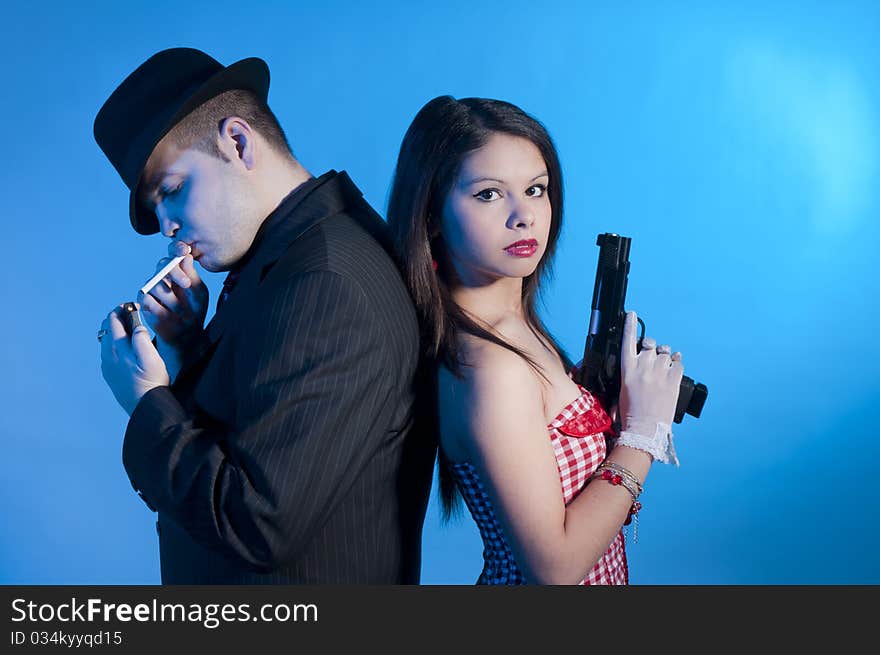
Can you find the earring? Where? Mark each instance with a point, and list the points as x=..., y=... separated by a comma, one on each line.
x=434, y=264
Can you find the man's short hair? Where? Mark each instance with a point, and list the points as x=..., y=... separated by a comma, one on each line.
x=200, y=128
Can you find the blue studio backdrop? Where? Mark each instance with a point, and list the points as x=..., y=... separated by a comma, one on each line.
x=736, y=143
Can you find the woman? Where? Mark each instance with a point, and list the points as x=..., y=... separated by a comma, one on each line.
x=476, y=210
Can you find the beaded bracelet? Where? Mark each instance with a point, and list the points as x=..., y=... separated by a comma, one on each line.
x=621, y=476
x=617, y=474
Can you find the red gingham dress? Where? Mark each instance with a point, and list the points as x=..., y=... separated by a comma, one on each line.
x=578, y=441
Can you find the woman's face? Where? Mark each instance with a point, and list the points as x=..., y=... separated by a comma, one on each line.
x=496, y=217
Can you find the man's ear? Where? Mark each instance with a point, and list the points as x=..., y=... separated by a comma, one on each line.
x=238, y=142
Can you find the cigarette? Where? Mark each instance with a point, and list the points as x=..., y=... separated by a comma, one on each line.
x=162, y=272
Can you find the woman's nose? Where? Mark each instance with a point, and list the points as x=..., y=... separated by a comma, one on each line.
x=520, y=216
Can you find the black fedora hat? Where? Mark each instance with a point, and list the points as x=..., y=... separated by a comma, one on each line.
x=153, y=99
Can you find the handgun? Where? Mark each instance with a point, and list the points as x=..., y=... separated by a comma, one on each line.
x=600, y=370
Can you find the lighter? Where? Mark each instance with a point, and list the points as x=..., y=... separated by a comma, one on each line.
x=131, y=318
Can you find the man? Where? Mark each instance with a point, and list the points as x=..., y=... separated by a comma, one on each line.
x=276, y=444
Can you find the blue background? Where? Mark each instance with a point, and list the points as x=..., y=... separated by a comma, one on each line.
x=736, y=143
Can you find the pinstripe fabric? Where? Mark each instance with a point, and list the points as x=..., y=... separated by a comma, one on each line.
x=287, y=454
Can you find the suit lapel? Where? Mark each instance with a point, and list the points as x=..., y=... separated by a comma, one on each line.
x=325, y=200
x=330, y=197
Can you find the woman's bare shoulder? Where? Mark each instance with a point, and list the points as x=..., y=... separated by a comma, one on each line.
x=496, y=390
x=487, y=361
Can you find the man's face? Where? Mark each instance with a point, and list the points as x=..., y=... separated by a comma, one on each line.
x=203, y=201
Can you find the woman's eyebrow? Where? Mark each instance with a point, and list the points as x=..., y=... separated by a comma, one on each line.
x=495, y=179
x=483, y=179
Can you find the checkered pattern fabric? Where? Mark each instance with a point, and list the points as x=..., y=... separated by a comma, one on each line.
x=579, y=445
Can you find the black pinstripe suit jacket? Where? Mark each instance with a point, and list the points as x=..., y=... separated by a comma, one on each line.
x=285, y=453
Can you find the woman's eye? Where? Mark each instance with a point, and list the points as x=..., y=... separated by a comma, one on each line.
x=487, y=194
x=536, y=190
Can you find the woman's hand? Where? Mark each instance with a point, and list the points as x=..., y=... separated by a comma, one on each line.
x=650, y=382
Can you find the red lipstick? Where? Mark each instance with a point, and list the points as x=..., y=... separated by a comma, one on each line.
x=523, y=248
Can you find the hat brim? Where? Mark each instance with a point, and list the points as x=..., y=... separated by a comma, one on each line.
x=250, y=74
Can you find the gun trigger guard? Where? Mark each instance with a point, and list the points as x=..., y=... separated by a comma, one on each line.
x=642, y=335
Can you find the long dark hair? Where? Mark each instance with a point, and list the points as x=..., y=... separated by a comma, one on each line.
x=441, y=135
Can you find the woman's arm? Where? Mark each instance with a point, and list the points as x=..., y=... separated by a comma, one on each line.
x=505, y=434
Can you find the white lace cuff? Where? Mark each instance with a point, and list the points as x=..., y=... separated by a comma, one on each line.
x=659, y=446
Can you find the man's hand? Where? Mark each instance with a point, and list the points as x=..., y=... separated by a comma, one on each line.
x=176, y=307
x=131, y=365
x=175, y=310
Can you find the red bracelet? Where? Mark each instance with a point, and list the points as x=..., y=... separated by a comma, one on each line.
x=620, y=476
